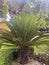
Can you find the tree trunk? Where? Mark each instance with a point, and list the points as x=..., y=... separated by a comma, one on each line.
x=24, y=55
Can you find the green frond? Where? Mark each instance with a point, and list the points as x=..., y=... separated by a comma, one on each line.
x=24, y=29
x=39, y=40
x=6, y=36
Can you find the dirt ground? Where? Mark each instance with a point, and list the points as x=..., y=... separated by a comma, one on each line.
x=31, y=62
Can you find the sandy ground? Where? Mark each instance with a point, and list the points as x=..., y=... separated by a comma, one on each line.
x=31, y=62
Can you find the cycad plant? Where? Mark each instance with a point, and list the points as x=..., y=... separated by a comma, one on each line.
x=24, y=32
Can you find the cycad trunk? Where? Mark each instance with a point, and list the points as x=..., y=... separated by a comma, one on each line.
x=24, y=54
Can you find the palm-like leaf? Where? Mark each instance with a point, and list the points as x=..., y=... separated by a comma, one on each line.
x=24, y=30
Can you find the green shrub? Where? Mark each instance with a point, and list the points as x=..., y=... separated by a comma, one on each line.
x=5, y=56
